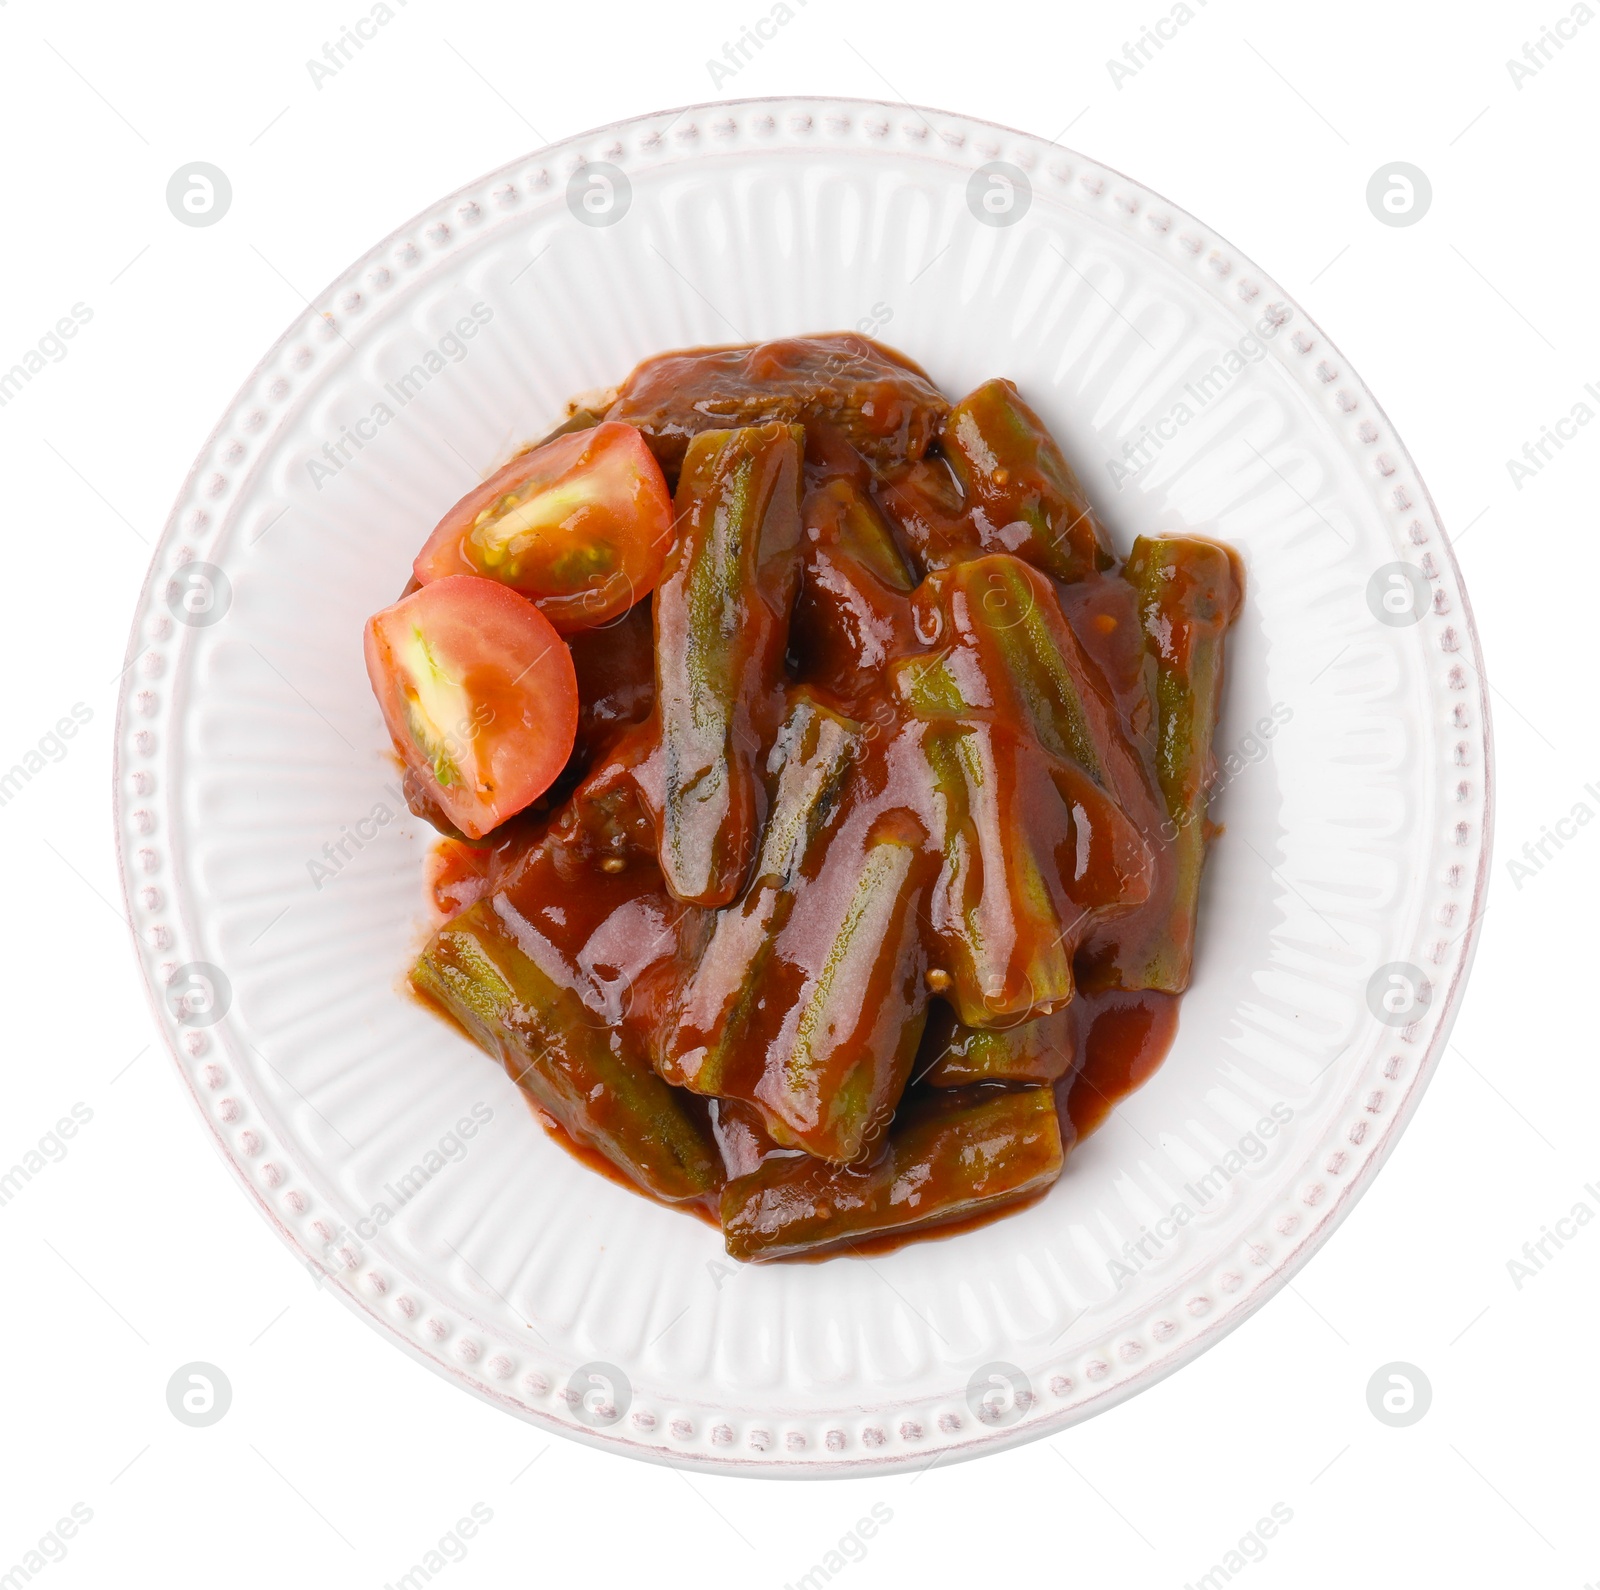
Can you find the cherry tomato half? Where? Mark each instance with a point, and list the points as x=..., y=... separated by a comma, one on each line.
x=479, y=694
x=580, y=526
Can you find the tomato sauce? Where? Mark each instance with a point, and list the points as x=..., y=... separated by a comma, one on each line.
x=892, y=736
x=457, y=876
x=1122, y=1040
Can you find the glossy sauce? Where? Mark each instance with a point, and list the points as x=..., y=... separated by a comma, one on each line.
x=456, y=876
x=1122, y=1039
x=856, y=614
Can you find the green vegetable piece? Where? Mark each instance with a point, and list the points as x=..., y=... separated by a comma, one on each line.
x=938, y=684
x=1034, y=856
x=1190, y=590
x=854, y=610
x=854, y=1039
x=997, y=913
x=512, y=991
x=954, y=1055
x=926, y=502
x=1022, y=663
x=609, y=815
x=948, y=1156
x=721, y=629
x=722, y=999
x=861, y=531
x=1022, y=494
x=810, y=1001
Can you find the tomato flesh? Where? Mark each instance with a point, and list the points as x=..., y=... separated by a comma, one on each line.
x=479, y=695
x=580, y=526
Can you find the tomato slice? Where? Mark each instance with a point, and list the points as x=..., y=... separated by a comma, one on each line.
x=580, y=526
x=479, y=694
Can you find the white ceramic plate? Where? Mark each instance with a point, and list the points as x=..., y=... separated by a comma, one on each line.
x=262, y=836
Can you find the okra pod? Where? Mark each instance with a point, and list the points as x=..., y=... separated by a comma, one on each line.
x=839, y=513
x=721, y=630
x=710, y=1030
x=520, y=996
x=949, y=1156
x=854, y=609
x=846, y=1051
x=954, y=1055
x=1190, y=591
x=999, y=915
x=926, y=502
x=1022, y=494
x=809, y=1003
x=1024, y=665
x=609, y=816
x=1034, y=854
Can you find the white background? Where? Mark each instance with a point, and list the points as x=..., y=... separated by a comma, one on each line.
x=340, y=1461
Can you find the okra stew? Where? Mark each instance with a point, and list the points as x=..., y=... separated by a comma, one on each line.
x=824, y=797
